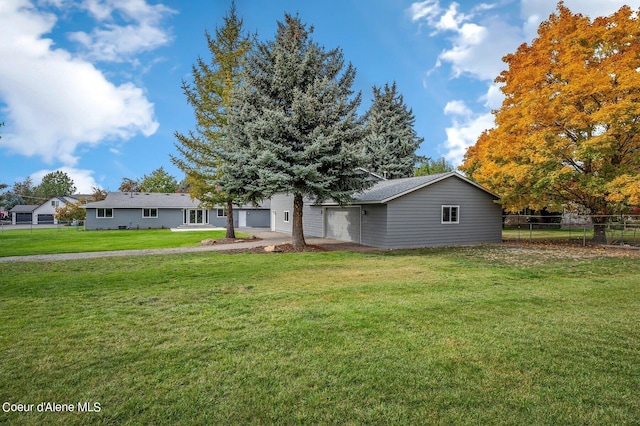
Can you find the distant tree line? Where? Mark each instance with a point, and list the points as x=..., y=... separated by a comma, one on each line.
x=53, y=184
x=157, y=181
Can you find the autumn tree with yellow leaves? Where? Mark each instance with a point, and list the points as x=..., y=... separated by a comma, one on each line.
x=568, y=130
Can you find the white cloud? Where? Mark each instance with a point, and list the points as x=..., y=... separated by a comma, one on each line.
x=494, y=97
x=533, y=12
x=464, y=133
x=457, y=108
x=82, y=179
x=476, y=48
x=55, y=101
x=143, y=30
x=425, y=9
x=478, y=41
x=99, y=9
x=451, y=20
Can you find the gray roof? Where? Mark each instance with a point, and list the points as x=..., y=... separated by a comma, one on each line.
x=133, y=200
x=23, y=208
x=387, y=190
x=160, y=200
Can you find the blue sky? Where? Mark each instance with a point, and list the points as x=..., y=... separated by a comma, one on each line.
x=93, y=87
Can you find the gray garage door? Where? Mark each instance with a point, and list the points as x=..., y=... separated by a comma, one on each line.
x=45, y=219
x=343, y=223
x=23, y=217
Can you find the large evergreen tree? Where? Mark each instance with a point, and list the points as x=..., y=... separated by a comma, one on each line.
x=210, y=96
x=294, y=125
x=391, y=141
x=9, y=199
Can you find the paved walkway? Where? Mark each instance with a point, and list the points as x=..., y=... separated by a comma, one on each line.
x=266, y=238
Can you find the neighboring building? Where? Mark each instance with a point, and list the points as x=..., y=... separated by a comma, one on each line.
x=437, y=210
x=22, y=214
x=152, y=210
x=42, y=214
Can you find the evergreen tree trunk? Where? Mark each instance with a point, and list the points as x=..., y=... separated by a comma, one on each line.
x=231, y=233
x=297, y=234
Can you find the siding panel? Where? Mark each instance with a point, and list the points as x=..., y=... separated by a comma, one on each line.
x=374, y=225
x=311, y=216
x=279, y=204
x=132, y=219
x=312, y=220
x=414, y=220
x=258, y=218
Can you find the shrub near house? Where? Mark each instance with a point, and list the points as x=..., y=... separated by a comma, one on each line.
x=71, y=212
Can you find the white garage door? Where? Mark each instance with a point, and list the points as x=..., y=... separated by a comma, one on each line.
x=343, y=223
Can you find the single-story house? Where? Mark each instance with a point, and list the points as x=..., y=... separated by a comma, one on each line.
x=40, y=214
x=436, y=210
x=152, y=210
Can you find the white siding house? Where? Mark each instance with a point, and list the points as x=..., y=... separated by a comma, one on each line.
x=42, y=214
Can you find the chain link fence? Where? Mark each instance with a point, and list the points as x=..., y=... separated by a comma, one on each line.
x=622, y=230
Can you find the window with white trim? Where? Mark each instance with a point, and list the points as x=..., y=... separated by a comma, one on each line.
x=104, y=213
x=195, y=216
x=221, y=212
x=149, y=213
x=450, y=214
x=55, y=203
x=286, y=216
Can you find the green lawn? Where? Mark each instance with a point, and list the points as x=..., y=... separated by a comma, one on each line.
x=615, y=234
x=523, y=234
x=485, y=335
x=21, y=242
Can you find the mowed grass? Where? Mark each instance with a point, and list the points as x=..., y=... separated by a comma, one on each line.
x=485, y=335
x=22, y=242
x=630, y=235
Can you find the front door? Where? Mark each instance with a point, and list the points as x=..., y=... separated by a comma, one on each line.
x=242, y=218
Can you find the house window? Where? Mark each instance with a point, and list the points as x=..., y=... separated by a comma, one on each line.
x=221, y=212
x=104, y=213
x=55, y=203
x=450, y=214
x=286, y=216
x=149, y=213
